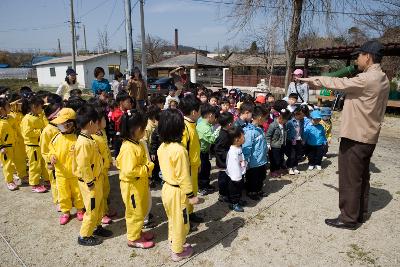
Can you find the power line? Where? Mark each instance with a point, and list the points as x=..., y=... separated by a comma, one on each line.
x=122, y=22
x=305, y=10
x=93, y=9
x=112, y=12
x=34, y=28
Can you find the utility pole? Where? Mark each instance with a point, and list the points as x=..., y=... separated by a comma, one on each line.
x=59, y=46
x=84, y=37
x=144, y=63
x=73, y=34
x=128, y=33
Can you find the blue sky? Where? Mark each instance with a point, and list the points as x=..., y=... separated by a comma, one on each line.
x=36, y=24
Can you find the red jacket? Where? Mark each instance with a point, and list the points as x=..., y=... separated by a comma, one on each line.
x=116, y=116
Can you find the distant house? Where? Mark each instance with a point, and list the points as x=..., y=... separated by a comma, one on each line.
x=172, y=51
x=51, y=73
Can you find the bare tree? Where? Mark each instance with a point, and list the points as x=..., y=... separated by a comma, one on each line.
x=290, y=17
x=155, y=46
x=103, y=41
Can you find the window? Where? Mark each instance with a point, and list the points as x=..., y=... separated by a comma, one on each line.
x=112, y=69
x=52, y=72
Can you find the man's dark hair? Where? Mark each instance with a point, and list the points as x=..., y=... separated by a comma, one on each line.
x=188, y=104
x=86, y=114
x=157, y=99
x=234, y=132
x=171, y=126
x=206, y=109
x=246, y=106
x=153, y=112
x=98, y=70
x=260, y=111
x=225, y=118
x=75, y=103
x=280, y=104
x=131, y=121
x=122, y=96
x=75, y=92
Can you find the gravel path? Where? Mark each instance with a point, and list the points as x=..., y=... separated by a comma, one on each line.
x=285, y=229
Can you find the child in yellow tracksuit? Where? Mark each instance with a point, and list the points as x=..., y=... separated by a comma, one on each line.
x=61, y=156
x=135, y=169
x=15, y=118
x=7, y=141
x=51, y=112
x=177, y=192
x=31, y=128
x=89, y=164
x=101, y=139
x=190, y=107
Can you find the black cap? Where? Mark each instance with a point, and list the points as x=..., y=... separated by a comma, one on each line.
x=371, y=47
x=71, y=72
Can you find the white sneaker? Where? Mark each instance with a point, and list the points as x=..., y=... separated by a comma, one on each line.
x=319, y=167
x=310, y=168
x=324, y=158
x=296, y=171
x=291, y=171
x=17, y=180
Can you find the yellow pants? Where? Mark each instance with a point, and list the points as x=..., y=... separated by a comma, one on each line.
x=8, y=164
x=20, y=158
x=106, y=191
x=175, y=204
x=194, y=174
x=68, y=193
x=135, y=195
x=37, y=166
x=53, y=183
x=93, y=200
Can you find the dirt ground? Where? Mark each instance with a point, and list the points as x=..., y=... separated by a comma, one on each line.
x=285, y=229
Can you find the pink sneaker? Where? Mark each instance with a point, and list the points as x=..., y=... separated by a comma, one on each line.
x=79, y=215
x=275, y=174
x=106, y=220
x=186, y=253
x=141, y=243
x=12, y=186
x=47, y=185
x=148, y=236
x=39, y=189
x=64, y=219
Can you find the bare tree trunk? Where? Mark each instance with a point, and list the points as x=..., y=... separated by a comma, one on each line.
x=291, y=44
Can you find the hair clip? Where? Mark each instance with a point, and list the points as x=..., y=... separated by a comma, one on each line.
x=129, y=112
x=283, y=110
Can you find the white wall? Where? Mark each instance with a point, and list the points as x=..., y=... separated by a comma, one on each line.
x=84, y=70
x=103, y=62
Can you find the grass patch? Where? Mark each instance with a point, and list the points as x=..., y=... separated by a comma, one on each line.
x=133, y=255
x=397, y=193
x=358, y=254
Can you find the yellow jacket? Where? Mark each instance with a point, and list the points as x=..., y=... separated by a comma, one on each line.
x=7, y=134
x=174, y=165
x=17, y=117
x=45, y=138
x=132, y=161
x=62, y=147
x=328, y=129
x=88, y=160
x=102, y=143
x=31, y=128
x=190, y=136
x=150, y=127
x=44, y=119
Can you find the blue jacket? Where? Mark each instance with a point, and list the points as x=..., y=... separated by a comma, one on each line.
x=314, y=135
x=255, y=146
x=103, y=85
x=291, y=129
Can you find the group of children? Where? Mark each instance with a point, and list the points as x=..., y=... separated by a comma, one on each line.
x=66, y=145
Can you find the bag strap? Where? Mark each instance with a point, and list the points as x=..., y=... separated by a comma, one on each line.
x=295, y=86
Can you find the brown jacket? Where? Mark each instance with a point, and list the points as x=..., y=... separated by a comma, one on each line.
x=137, y=89
x=365, y=103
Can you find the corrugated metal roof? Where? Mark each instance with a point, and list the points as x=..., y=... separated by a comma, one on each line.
x=188, y=61
x=344, y=52
x=68, y=59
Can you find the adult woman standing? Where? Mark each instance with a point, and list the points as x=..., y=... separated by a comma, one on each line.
x=137, y=88
x=100, y=84
x=69, y=84
x=299, y=87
